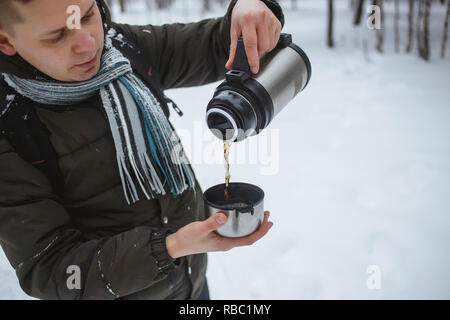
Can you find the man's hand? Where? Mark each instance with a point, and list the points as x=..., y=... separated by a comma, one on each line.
x=260, y=30
x=199, y=237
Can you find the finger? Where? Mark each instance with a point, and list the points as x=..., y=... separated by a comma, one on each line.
x=251, y=46
x=278, y=30
x=263, y=229
x=266, y=218
x=264, y=35
x=263, y=39
x=255, y=236
x=234, y=34
x=214, y=222
x=261, y=232
x=275, y=36
x=271, y=38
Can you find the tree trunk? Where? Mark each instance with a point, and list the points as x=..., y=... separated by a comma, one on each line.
x=206, y=6
x=161, y=4
x=380, y=38
x=426, y=31
x=444, y=39
x=419, y=28
x=397, y=33
x=330, y=24
x=410, y=25
x=358, y=12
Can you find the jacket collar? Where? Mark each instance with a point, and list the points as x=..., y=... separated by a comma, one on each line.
x=17, y=66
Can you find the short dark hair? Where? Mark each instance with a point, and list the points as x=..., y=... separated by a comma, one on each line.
x=9, y=15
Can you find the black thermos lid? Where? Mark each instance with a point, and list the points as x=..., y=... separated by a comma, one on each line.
x=230, y=114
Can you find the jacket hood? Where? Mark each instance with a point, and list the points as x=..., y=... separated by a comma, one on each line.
x=17, y=66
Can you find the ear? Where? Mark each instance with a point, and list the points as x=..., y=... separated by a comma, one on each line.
x=5, y=46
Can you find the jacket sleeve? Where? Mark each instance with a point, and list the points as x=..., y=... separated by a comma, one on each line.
x=44, y=248
x=190, y=54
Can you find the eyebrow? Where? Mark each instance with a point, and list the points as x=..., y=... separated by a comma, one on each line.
x=64, y=28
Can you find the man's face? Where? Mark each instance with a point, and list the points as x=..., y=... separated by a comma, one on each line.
x=63, y=54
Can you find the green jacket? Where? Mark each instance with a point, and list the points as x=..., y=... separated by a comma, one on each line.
x=119, y=248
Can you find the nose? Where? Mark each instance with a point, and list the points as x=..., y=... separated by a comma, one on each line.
x=83, y=42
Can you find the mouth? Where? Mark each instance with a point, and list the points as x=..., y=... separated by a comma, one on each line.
x=89, y=64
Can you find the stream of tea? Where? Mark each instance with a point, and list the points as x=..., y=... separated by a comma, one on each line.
x=226, y=151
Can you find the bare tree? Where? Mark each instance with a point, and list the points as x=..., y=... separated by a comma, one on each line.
x=380, y=37
x=410, y=25
x=397, y=32
x=358, y=12
x=444, y=38
x=206, y=5
x=122, y=6
x=425, y=53
x=294, y=4
x=163, y=3
x=419, y=22
x=359, y=9
x=330, y=41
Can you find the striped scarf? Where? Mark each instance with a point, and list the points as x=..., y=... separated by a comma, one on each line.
x=149, y=152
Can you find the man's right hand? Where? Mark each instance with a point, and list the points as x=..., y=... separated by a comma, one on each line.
x=199, y=237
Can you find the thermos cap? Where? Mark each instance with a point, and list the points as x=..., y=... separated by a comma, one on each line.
x=222, y=123
x=230, y=115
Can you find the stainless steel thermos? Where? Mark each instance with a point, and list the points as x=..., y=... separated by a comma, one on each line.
x=244, y=104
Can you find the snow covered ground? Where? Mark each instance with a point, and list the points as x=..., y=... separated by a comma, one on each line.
x=357, y=175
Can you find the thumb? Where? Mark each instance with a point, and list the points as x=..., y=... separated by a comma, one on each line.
x=215, y=221
x=233, y=46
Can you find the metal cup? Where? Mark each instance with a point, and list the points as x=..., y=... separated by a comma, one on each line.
x=244, y=207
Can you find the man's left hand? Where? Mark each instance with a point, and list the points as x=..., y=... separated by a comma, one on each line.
x=260, y=30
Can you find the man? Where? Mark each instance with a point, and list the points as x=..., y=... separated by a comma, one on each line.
x=126, y=220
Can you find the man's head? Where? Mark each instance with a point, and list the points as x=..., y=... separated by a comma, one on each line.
x=37, y=31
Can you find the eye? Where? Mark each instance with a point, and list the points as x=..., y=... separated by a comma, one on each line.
x=60, y=37
x=86, y=18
